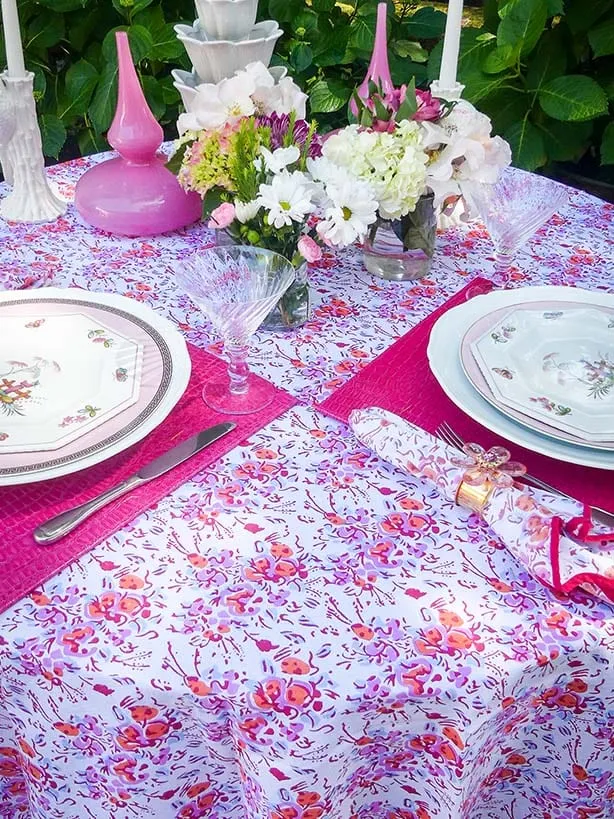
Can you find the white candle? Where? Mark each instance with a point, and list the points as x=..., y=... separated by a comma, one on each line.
x=12, y=39
x=451, y=44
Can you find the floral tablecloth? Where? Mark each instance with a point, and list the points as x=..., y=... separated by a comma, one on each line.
x=302, y=631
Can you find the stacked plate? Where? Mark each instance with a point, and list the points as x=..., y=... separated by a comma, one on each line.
x=83, y=376
x=536, y=366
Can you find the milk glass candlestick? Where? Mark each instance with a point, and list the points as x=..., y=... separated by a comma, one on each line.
x=21, y=152
x=447, y=87
x=12, y=39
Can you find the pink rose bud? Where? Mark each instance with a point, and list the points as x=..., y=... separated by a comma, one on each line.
x=429, y=107
x=222, y=216
x=309, y=250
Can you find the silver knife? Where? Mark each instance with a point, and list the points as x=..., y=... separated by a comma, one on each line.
x=60, y=525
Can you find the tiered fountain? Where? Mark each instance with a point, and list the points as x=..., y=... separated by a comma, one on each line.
x=224, y=39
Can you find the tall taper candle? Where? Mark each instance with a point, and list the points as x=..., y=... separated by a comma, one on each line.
x=451, y=44
x=12, y=39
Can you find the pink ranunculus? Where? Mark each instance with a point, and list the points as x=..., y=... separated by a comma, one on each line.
x=429, y=107
x=222, y=216
x=309, y=250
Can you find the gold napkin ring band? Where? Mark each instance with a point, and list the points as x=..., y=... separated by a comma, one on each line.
x=475, y=497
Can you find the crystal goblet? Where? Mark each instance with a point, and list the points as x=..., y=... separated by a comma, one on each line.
x=513, y=209
x=236, y=287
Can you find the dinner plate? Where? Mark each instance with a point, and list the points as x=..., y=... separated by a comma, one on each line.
x=474, y=373
x=156, y=346
x=448, y=370
x=553, y=363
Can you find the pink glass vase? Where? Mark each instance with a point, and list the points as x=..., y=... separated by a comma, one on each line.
x=134, y=194
x=379, y=70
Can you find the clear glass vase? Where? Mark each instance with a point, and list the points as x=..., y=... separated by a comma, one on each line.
x=293, y=308
x=402, y=249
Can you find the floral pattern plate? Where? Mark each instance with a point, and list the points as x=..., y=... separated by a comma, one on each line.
x=449, y=372
x=554, y=365
x=61, y=375
x=474, y=375
x=148, y=366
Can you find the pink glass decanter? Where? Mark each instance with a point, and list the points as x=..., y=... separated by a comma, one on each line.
x=379, y=70
x=134, y=194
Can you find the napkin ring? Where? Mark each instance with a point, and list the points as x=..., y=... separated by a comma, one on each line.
x=485, y=471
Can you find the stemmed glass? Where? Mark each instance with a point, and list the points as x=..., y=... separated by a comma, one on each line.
x=236, y=287
x=513, y=209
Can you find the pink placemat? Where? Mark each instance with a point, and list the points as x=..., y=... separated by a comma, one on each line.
x=25, y=565
x=400, y=381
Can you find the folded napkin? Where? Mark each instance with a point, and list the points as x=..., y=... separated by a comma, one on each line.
x=550, y=536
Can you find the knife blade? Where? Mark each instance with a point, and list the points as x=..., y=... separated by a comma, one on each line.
x=64, y=523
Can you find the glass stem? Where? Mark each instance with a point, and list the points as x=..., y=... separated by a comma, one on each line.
x=503, y=263
x=238, y=371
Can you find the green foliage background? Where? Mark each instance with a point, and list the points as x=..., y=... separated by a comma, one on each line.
x=542, y=69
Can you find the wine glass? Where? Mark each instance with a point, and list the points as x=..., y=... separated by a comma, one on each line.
x=236, y=287
x=513, y=208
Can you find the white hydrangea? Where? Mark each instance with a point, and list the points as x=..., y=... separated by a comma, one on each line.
x=394, y=164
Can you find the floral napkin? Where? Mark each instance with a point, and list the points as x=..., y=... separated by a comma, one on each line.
x=536, y=527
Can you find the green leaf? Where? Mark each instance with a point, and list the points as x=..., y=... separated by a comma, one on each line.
x=581, y=15
x=426, y=24
x=500, y=59
x=607, y=145
x=573, y=98
x=154, y=96
x=53, y=134
x=105, y=98
x=166, y=47
x=301, y=56
x=549, y=60
x=140, y=39
x=362, y=33
x=80, y=81
x=411, y=49
x=554, y=7
x=91, y=143
x=565, y=141
x=328, y=95
x=527, y=145
x=285, y=10
x=60, y=6
x=522, y=24
x=45, y=31
x=505, y=107
x=601, y=38
x=174, y=163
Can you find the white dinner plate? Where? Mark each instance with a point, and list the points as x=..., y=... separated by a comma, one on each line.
x=447, y=369
x=554, y=364
x=144, y=340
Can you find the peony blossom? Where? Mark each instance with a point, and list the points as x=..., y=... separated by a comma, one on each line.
x=309, y=250
x=222, y=216
x=215, y=106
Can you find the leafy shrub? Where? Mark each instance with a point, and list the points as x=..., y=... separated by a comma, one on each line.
x=70, y=46
x=543, y=70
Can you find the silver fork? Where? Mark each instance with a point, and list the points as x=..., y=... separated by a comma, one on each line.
x=452, y=438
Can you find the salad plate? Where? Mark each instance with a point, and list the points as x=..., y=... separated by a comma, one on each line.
x=143, y=338
x=62, y=376
x=448, y=370
x=553, y=363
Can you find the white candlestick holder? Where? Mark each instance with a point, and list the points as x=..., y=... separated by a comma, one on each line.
x=451, y=94
x=21, y=155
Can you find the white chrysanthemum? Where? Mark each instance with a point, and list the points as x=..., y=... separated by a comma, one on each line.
x=244, y=211
x=352, y=208
x=287, y=199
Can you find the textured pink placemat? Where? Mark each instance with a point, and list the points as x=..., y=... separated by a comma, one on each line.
x=25, y=565
x=400, y=381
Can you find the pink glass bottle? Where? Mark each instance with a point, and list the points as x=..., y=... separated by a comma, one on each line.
x=379, y=70
x=134, y=194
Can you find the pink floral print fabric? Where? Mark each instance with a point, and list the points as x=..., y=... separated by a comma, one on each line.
x=302, y=630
